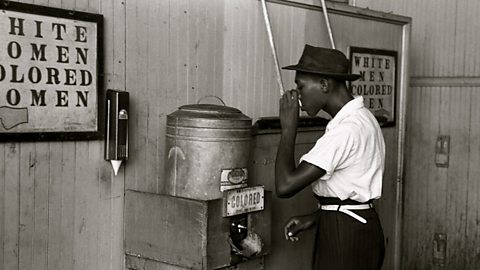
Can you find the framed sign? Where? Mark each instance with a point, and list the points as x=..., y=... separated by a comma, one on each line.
x=50, y=66
x=378, y=83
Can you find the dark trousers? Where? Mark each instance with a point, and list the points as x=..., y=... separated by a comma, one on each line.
x=344, y=243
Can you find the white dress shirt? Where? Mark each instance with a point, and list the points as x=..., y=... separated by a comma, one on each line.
x=352, y=152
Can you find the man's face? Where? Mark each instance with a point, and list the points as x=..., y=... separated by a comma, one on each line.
x=310, y=92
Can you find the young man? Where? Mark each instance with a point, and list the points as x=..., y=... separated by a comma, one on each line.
x=344, y=168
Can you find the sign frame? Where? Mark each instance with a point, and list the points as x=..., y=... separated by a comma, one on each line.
x=228, y=210
x=65, y=135
x=384, y=121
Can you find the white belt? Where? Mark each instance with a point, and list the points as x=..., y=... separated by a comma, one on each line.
x=346, y=209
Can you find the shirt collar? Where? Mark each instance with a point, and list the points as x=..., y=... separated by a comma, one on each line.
x=345, y=111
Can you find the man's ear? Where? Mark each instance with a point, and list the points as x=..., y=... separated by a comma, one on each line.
x=323, y=85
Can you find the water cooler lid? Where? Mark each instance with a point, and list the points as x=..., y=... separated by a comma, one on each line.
x=199, y=114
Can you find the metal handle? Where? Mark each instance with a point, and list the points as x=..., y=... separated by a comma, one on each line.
x=198, y=102
x=272, y=47
x=327, y=22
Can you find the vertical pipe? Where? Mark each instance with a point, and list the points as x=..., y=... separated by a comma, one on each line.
x=272, y=46
x=327, y=22
x=403, y=86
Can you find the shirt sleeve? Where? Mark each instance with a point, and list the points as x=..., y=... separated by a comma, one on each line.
x=332, y=150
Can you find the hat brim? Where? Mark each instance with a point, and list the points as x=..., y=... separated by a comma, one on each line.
x=343, y=76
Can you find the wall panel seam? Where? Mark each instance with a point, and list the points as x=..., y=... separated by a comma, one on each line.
x=444, y=82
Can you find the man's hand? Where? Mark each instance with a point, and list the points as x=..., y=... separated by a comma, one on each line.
x=298, y=224
x=289, y=110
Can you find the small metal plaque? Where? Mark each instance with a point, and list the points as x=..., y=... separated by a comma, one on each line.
x=244, y=200
x=233, y=178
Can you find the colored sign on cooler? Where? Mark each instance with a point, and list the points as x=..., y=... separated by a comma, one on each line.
x=244, y=200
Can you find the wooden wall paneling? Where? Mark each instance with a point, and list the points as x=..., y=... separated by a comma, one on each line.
x=95, y=207
x=244, y=20
x=472, y=41
x=40, y=220
x=112, y=187
x=231, y=35
x=218, y=18
x=386, y=205
x=437, y=206
x=446, y=54
x=155, y=17
x=26, y=214
x=316, y=32
x=268, y=89
x=55, y=3
x=114, y=43
x=472, y=235
x=38, y=2
x=107, y=223
x=85, y=5
x=269, y=92
x=254, y=25
x=237, y=63
x=67, y=232
x=417, y=163
x=289, y=33
x=262, y=58
x=188, y=16
x=163, y=89
x=265, y=66
x=418, y=33
x=108, y=219
x=11, y=206
x=2, y=203
x=179, y=43
x=136, y=83
x=81, y=247
x=417, y=180
x=283, y=26
x=46, y=194
x=430, y=48
x=257, y=60
x=206, y=38
x=457, y=120
x=111, y=198
x=444, y=42
x=434, y=36
x=243, y=38
x=173, y=53
x=292, y=43
x=66, y=4
x=431, y=197
x=193, y=24
x=55, y=204
x=460, y=29
x=469, y=38
x=475, y=29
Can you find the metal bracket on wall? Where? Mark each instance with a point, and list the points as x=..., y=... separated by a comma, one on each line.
x=442, y=151
x=439, y=249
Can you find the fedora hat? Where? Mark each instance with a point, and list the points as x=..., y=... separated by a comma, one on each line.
x=323, y=61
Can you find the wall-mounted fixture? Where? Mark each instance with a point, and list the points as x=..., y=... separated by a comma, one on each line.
x=116, y=138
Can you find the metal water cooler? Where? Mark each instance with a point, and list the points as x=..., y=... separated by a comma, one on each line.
x=209, y=216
